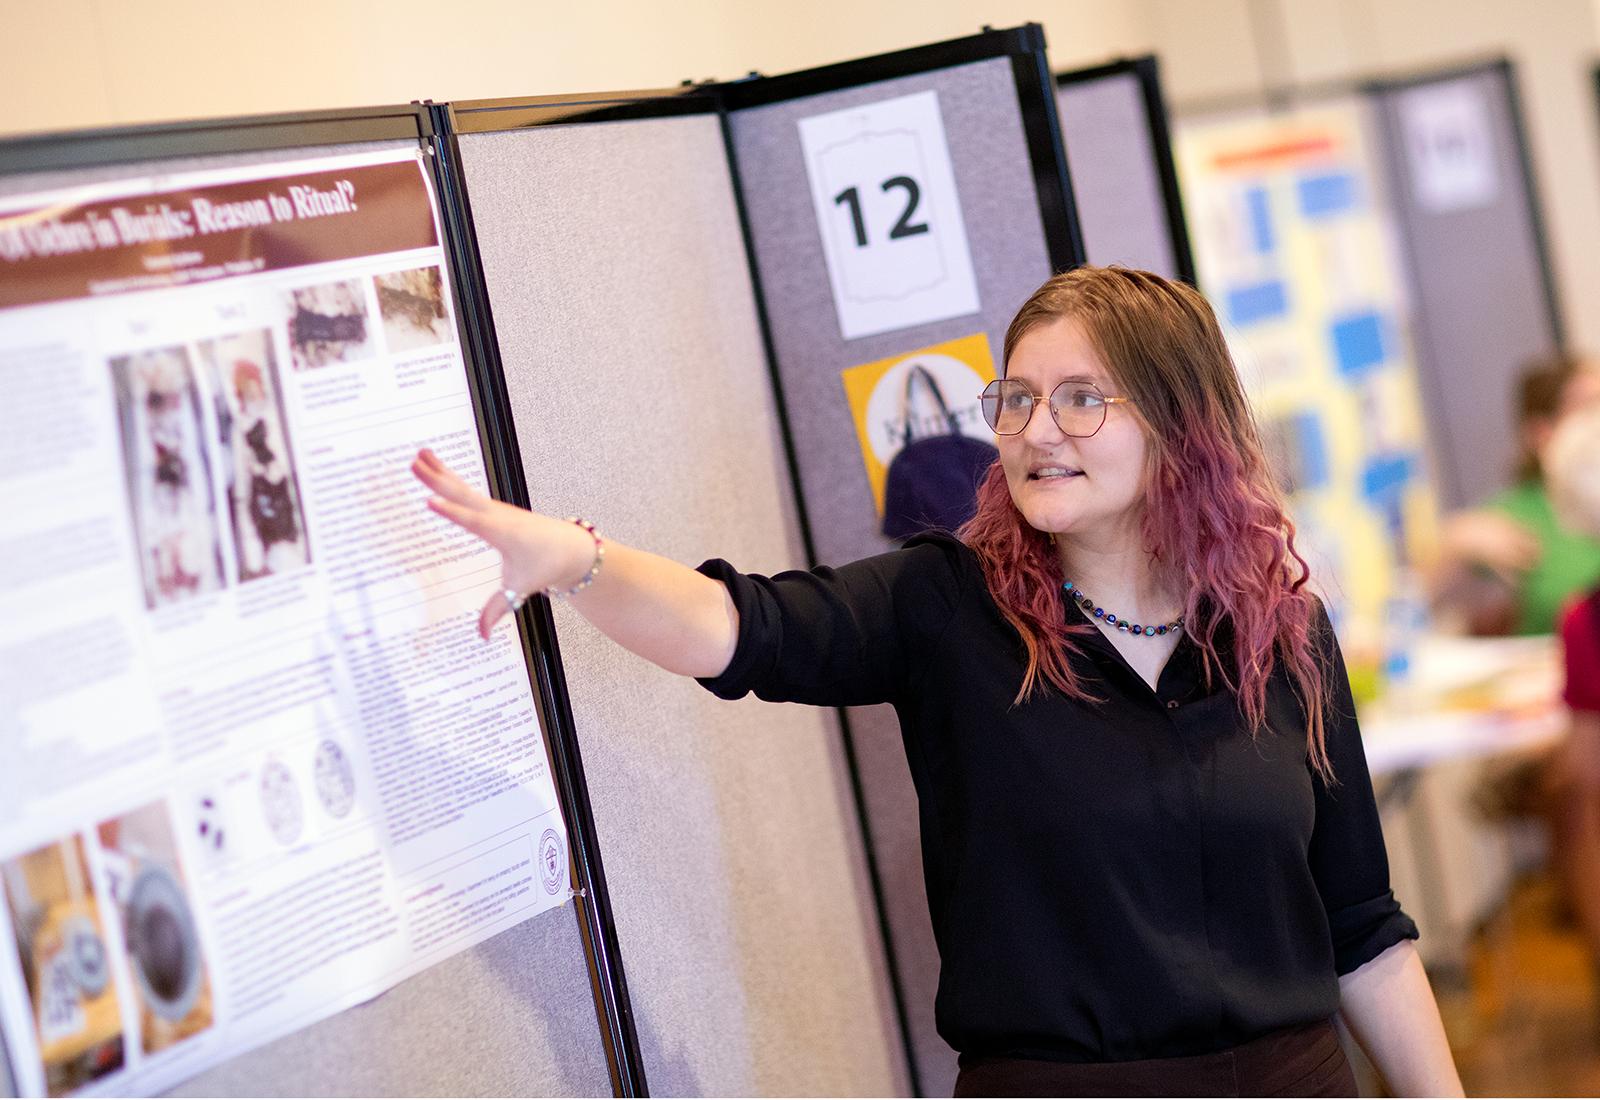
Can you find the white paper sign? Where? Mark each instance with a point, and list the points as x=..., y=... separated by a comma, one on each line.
x=1451, y=147
x=890, y=218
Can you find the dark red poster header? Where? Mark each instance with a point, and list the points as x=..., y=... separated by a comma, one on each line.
x=178, y=238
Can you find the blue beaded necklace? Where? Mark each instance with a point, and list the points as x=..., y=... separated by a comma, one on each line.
x=1072, y=592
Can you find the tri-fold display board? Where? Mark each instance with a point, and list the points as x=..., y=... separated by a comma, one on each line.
x=274, y=818
x=1124, y=181
x=259, y=769
x=1484, y=299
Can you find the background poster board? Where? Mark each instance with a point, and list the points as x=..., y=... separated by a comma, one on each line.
x=1294, y=247
x=998, y=116
x=411, y=1037
x=1119, y=146
x=1483, y=296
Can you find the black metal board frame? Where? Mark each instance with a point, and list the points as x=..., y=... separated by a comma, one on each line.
x=419, y=122
x=1147, y=70
x=1030, y=68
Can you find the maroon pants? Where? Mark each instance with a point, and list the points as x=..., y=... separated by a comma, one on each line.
x=1301, y=1061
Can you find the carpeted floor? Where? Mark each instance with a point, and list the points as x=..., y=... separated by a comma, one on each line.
x=1527, y=1022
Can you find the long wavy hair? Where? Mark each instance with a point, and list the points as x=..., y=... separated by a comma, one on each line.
x=1213, y=517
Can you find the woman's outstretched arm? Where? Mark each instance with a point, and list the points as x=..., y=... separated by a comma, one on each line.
x=661, y=610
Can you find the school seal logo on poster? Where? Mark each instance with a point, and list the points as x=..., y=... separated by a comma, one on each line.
x=551, y=859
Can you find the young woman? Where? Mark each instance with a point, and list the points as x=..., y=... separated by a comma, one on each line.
x=1153, y=857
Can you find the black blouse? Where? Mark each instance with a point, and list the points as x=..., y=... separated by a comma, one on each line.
x=1137, y=878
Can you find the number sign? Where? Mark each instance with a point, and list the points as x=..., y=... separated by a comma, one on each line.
x=890, y=219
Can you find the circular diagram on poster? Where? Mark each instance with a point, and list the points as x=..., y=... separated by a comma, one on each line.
x=163, y=943
x=336, y=781
x=280, y=802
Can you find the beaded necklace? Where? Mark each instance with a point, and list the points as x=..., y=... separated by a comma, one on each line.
x=1073, y=592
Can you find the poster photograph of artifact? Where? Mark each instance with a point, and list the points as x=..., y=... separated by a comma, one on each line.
x=169, y=486
x=66, y=964
x=413, y=309
x=261, y=486
x=329, y=324
x=164, y=957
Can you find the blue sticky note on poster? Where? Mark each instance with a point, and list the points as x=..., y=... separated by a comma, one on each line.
x=1358, y=344
x=1385, y=476
x=1326, y=194
x=1258, y=205
x=1257, y=302
x=1313, y=472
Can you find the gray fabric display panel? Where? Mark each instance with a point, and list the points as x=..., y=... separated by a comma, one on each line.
x=515, y=1015
x=1116, y=177
x=1000, y=206
x=629, y=334
x=1484, y=304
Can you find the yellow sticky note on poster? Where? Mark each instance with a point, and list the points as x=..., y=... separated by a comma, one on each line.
x=888, y=413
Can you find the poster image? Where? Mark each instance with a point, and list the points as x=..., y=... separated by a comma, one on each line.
x=329, y=324
x=65, y=965
x=262, y=489
x=336, y=781
x=413, y=310
x=169, y=488
x=1318, y=325
x=167, y=965
x=891, y=409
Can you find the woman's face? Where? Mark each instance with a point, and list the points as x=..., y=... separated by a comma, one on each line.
x=1064, y=484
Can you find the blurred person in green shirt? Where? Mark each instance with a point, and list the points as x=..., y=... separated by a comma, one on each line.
x=1511, y=565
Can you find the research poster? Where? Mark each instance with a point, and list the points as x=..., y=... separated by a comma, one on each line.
x=1294, y=248
x=258, y=765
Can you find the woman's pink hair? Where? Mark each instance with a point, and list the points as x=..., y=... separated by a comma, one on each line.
x=1213, y=516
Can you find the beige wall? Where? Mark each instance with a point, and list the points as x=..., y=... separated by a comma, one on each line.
x=103, y=62
x=76, y=63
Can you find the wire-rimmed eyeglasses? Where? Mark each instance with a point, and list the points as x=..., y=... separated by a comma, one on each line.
x=1078, y=408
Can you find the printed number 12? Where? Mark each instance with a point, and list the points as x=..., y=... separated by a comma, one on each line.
x=903, y=227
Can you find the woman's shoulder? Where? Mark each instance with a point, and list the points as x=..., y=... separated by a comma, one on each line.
x=941, y=545
x=931, y=572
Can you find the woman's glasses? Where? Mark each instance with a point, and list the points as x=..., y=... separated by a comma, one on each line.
x=1079, y=408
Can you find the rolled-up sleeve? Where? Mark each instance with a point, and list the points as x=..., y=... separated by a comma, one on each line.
x=1347, y=854
x=849, y=636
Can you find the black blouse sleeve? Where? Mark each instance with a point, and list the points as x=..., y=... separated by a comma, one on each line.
x=849, y=636
x=1347, y=854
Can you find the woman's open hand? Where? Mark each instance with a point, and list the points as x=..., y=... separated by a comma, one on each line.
x=537, y=552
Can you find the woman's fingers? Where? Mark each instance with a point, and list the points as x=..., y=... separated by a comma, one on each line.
x=444, y=481
x=502, y=526
x=494, y=609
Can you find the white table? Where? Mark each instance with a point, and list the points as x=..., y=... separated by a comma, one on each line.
x=1469, y=699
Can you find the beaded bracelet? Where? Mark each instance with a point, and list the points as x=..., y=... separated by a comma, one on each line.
x=594, y=568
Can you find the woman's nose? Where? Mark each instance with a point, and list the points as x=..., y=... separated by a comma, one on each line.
x=1042, y=430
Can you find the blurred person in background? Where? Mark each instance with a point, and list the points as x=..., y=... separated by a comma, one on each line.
x=1510, y=566
x=1571, y=460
